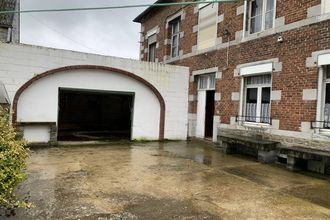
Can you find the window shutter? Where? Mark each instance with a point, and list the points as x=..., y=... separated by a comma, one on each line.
x=326, y=6
x=152, y=39
x=207, y=29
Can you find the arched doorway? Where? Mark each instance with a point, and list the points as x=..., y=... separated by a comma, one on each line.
x=39, y=99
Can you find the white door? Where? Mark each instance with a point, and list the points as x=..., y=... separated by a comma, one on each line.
x=201, y=103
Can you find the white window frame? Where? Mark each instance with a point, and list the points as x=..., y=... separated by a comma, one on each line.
x=177, y=21
x=210, y=85
x=325, y=81
x=247, y=19
x=259, y=88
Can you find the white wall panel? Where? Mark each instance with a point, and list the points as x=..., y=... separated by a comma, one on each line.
x=20, y=63
x=201, y=104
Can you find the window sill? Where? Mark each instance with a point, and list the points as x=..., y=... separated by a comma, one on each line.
x=172, y=59
x=324, y=16
x=325, y=132
x=256, y=125
x=263, y=33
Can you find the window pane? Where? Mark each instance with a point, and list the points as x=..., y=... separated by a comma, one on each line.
x=152, y=52
x=269, y=18
x=175, y=41
x=174, y=51
x=175, y=26
x=265, y=105
x=256, y=24
x=327, y=71
x=248, y=16
x=175, y=45
x=270, y=5
x=203, y=82
x=207, y=81
x=258, y=80
x=212, y=81
x=256, y=7
x=251, y=104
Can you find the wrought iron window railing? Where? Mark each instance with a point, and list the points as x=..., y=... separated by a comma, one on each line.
x=254, y=119
x=320, y=124
x=6, y=20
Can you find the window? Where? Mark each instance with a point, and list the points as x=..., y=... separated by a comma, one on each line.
x=257, y=99
x=152, y=48
x=206, y=82
x=326, y=6
x=175, y=37
x=260, y=15
x=326, y=95
x=207, y=25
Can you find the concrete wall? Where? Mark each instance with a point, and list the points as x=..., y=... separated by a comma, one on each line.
x=19, y=63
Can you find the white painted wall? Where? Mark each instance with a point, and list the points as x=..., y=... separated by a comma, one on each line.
x=39, y=102
x=19, y=63
x=38, y=134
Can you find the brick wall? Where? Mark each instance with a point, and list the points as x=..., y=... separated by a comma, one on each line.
x=299, y=44
x=302, y=35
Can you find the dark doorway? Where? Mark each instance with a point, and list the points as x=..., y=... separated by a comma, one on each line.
x=94, y=115
x=209, y=113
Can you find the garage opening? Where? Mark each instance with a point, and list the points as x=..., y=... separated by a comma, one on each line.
x=86, y=115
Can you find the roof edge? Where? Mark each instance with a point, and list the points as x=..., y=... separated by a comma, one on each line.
x=140, y=17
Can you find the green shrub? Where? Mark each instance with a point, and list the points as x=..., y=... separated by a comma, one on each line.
x=12, y=162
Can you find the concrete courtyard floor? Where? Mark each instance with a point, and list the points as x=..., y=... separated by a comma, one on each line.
x=174, y=180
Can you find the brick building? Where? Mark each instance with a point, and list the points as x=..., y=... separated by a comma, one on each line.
x=255, y=66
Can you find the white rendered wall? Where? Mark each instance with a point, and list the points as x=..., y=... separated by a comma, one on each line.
x=19, y=63
x=39, y=133
x=39, y=102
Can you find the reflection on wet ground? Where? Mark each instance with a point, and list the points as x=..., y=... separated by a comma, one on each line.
x=175, y=180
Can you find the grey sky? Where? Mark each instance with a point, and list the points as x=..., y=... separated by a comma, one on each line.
x=108, y=32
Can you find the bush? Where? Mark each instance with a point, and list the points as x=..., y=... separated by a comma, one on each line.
x=12, y=162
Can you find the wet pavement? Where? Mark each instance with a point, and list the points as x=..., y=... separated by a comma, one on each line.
x=174, y=180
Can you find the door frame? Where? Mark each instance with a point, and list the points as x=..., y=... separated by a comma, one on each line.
x=132, y=94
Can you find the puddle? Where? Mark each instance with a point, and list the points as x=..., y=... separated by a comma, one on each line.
x=174, y=180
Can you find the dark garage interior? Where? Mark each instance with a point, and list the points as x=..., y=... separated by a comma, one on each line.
x=94, y=115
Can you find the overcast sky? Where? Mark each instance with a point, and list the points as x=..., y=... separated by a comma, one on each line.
x=108, y=32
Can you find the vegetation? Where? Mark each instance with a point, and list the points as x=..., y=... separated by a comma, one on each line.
x=12, y=162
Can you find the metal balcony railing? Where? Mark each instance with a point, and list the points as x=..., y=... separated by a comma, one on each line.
x=320, y=124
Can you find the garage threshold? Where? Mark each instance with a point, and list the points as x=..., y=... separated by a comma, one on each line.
x=95, y=143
